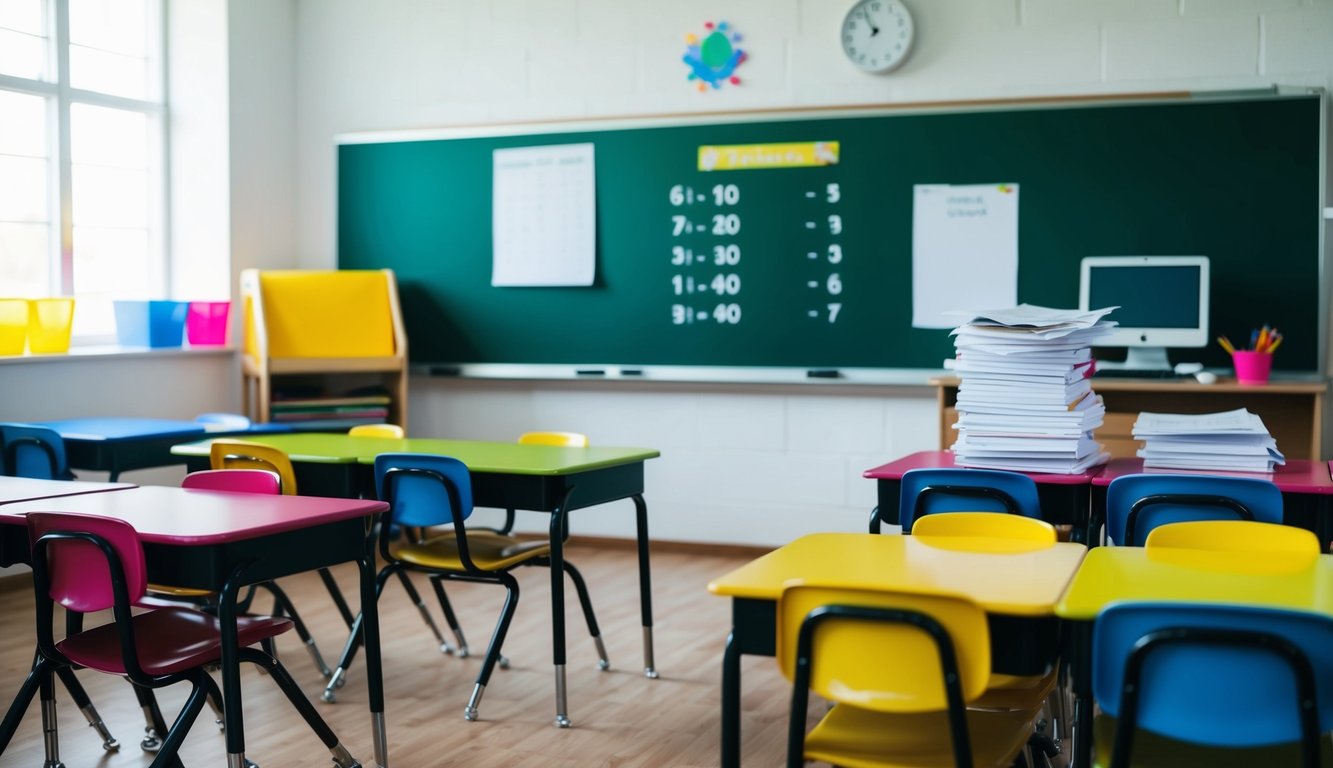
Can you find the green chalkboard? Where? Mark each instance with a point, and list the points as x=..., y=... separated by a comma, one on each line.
x=1236, y=179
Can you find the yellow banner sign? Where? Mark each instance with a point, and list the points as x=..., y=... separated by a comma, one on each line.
x=744, y=157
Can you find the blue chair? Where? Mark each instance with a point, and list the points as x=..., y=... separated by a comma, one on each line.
x=1209, y=684
x=426, y=492
x=1136, y=504
x=32, y=451
x=927, y=491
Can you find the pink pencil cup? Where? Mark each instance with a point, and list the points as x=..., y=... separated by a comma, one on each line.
x=206, y=323
x=1252, y=367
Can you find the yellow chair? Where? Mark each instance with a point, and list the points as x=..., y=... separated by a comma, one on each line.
x=242, y=454
x=985, y=524
x=390, y=431
x=1009, y=691
x=558, y=439
x=564, y=439
x=903, y=670
x=1235, y=536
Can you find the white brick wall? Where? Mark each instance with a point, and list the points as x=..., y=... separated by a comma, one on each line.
x=739, y=464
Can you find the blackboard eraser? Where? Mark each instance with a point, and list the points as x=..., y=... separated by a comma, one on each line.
x=631, y=371
x=823, y=373
x=445, y=370
x=590, y=372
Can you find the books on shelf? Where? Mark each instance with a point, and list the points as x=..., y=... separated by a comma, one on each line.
x=330, y=413
x=1025, y=401
x=1234, y=441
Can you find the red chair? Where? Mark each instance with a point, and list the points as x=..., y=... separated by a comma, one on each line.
x=89, y=563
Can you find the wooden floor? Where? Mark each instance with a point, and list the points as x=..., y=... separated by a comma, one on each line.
x=620, y=718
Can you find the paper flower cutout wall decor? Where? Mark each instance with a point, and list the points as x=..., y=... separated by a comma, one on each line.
x=713, y=59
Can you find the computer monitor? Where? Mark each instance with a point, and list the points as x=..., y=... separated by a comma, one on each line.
x=1162, y=300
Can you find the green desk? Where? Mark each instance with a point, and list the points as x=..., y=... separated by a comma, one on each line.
x=542, y=478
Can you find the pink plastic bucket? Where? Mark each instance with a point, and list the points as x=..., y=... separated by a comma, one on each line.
x=206, y=323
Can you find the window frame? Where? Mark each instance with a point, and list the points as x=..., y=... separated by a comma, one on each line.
x=60, y=96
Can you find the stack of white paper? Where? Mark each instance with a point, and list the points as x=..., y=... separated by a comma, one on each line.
x=1235, y=441
x=1025, y=399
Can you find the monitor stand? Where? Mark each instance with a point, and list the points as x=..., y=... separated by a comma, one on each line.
x=1146, y=361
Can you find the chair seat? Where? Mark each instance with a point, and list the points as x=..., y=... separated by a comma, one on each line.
x=859, y=738
x=169, y=640
x=489, y=551
x=1017, y=692
x=1152, y=750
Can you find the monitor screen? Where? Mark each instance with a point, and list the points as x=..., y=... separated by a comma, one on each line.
x=1162, y=300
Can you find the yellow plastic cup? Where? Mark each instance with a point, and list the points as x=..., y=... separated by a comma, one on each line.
x=13, y=326
x=49, y=325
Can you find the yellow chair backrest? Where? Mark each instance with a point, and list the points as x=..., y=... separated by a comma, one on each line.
x=886, y=667
x=239, y=454
x=565, y=439
x=985, y=524
x=1235, y=536
x=392, y=431
x=321, y=313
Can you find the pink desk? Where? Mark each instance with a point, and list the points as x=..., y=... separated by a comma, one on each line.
x=16, y=489
x=1307, y=488
x=225, y=541
x=1064, y=498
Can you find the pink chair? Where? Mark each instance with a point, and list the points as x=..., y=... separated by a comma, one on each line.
x=237, y=480
x=164, y=596
x=89, y=563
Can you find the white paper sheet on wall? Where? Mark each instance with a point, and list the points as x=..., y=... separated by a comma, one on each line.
x=964, y=250
x=543, y=216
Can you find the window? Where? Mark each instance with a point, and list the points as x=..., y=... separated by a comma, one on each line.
x=82, y=151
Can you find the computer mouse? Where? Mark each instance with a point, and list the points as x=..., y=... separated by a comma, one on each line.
x=1205, y=377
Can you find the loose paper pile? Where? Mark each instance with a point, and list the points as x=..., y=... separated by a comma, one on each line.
x=1025, y=400
x=1236, y=441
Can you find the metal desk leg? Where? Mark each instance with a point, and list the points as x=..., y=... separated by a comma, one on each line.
x=731, y=704
x=370, y=627
x=645, y=587
x=231, y=672
x=558, y=608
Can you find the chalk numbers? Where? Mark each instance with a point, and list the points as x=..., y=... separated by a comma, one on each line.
x=707, y=282
x=823, y=283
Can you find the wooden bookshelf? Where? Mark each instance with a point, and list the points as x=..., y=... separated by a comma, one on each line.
x=335, y=335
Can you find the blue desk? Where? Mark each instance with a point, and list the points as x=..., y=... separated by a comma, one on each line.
x=115, y=445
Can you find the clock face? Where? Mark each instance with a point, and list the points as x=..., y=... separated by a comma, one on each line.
x=877, y=34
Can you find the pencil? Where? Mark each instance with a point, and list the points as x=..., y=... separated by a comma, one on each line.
x=1226, y=344
x=1273, y=347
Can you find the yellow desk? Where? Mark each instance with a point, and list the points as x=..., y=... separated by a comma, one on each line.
x=1111, y=574
x=1016, y=582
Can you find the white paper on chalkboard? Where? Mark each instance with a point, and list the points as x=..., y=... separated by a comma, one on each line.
x=964, y=250
x=543, y=216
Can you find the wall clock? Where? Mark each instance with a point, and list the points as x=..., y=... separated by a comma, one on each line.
x=877, y=34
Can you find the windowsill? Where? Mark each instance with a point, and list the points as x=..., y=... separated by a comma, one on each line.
x=93, y=352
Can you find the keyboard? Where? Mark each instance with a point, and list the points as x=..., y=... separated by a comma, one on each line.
x=1123, y=373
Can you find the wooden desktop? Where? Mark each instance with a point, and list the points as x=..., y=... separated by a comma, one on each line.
x=1292, y=409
